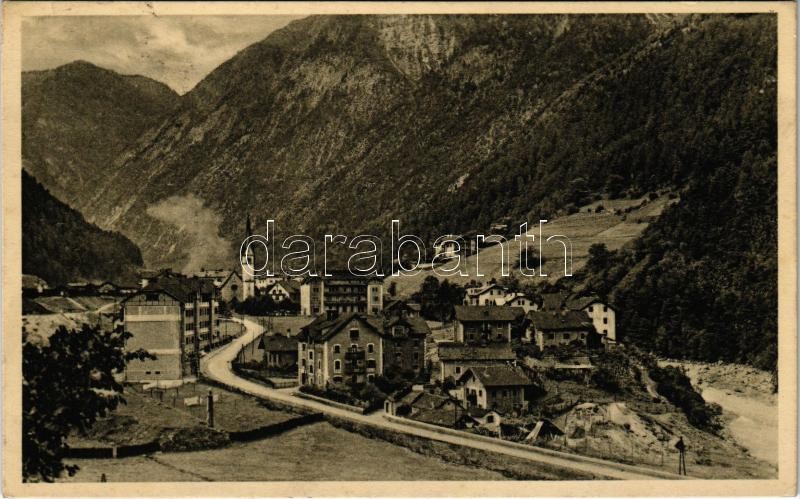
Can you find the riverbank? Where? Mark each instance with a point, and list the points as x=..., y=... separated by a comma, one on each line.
x=750, y=409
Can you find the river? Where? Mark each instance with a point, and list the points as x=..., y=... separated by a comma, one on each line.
x=752, y=420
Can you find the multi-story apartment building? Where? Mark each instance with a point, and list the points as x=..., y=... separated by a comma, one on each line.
x=174, y=318
x=346, y=349
x=404, y=345
x=355, y=347
x=341, y=293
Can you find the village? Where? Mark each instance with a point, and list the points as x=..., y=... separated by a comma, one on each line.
x=539, y=371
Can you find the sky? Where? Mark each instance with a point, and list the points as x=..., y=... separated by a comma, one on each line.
x=176, y=50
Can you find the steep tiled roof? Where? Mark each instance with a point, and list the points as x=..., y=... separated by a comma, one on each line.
x=320, y=329
x=460, y=351
x=498, y=376
x=553, y=301
x=579, y=303
x=417, y=326
x=180, y=287
x=466, y=313
x=545, y=320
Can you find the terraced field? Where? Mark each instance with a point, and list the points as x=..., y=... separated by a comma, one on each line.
x=611, y=227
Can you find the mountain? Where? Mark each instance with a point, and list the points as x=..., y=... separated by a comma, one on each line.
x=339, y=124
x=59, y=246
x=78, y=117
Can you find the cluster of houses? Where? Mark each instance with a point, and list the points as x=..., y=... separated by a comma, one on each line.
x=33, y=286
x=357, y=333
x=554, y=319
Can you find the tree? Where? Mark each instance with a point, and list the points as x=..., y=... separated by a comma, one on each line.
x=599, y=258
x=67, y=384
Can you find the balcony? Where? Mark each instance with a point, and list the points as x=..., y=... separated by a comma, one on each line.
x=355, y=354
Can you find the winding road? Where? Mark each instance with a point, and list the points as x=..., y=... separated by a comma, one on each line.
x=217, y=366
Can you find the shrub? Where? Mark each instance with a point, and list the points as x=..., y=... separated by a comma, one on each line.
x=605, y=379
x=673, y=384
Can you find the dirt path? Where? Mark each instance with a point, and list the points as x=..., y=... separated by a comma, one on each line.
x=752, y=418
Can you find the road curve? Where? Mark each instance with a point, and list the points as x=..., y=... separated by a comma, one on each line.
x=217, y=366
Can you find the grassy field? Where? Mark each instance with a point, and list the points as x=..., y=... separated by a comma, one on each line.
x=146, y=415
x=613, y=228
x=314, y=452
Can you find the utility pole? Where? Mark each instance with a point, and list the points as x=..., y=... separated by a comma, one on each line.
x=210, y=411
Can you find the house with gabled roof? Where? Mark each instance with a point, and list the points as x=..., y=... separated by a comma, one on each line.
x=279, y=351
x=456, y=358
x=401, y=308
x=601, y=313
x=485, y=324
x=405, y=350
x=497, y=387
x=345, y=349
x=287, y=289
x=487, y=294
x=558, y=328
x=519, y=300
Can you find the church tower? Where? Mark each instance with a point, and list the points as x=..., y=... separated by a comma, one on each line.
x=248, y=264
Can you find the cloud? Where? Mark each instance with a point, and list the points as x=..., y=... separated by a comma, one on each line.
x=176, y=50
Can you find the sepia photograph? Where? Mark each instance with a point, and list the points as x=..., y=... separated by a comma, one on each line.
x=399, y=249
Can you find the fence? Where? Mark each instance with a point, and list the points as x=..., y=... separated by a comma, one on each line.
x=112, y=452
x=275, y=429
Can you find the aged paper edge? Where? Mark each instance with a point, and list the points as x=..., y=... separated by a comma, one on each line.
x=785, y=484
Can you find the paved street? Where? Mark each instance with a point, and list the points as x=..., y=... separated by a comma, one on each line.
x=217, y=366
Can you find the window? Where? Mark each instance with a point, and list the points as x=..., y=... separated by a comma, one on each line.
x=310, y=355
x=158, y=372
x=591, y=308
x=147, y=372
x=566, y=336
x=337, y=365
x=354, y=335
x=303, y=363
x=605, y=331
x=151, y=297
x=319, y=364
x=490, y=418
x=551, y=336
x=303, y=345
x=480, y=393
x=605, y=320
x=311, y=368
x=371, y=364
x=370, y=348
x=337, y=348
x=605, y=308
x=337, y=379
x=370, y=377
x=458, y=369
